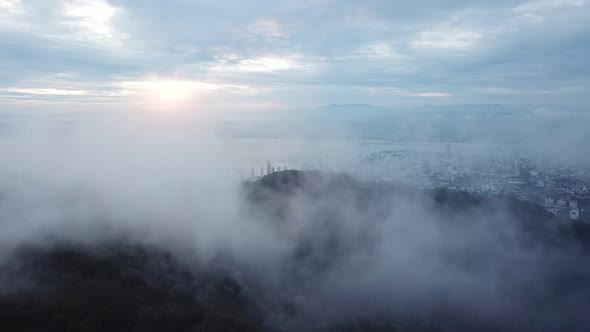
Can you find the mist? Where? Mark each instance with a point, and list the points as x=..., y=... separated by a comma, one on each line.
x=294, y=165
x=315, y=250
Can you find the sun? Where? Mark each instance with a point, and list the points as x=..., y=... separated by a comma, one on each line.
x=161, y=93
x=171, y=90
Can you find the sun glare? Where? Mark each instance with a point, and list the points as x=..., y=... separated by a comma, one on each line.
x=166, y=93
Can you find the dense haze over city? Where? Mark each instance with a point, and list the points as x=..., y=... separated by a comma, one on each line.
x=294, y=165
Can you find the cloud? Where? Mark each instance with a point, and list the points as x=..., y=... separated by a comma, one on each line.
x=435, y=45
x=545, y=6
x=380, y=49
x=10, y=7
x=267, y=28
x=434, y=94
x=47, y=92
x=262, y=64
x=92, y=17
x=316, y=247
x=448, y=38
x=507, y=91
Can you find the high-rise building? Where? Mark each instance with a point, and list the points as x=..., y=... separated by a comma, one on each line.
x=516, y=167
x=268, y=167
x=261, y=171
x=252, y=171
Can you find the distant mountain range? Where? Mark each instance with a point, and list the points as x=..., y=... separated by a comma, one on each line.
x=362, y=111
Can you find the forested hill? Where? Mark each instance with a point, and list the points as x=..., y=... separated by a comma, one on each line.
x=348, y=256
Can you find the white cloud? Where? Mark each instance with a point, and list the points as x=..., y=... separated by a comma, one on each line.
x=380, y=49
x=501, y=91
x=171, y=86
x=10, y=6
x=544, y=6
x=66, y=23
x=538, y=11
x=46, y=91
x=263, y=64
x=293, y=46
x=10, y=12
x=93, y=20
x=509, y=91
x=365, y=17
x=267, y=28
x=434, y=95
x=448, y=38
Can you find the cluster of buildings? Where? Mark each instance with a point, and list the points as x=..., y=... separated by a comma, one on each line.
x=258, y=171
x=561, y=189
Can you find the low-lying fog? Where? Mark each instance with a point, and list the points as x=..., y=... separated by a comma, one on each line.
x=329, y=246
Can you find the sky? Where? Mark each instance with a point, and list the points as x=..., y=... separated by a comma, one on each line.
x=267, y=55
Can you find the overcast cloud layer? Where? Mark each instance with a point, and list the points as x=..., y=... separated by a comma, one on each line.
x=262, y=54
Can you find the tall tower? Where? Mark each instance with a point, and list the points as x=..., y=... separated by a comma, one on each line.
x=268, y=167
x=516, y=167
x=252, y=175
